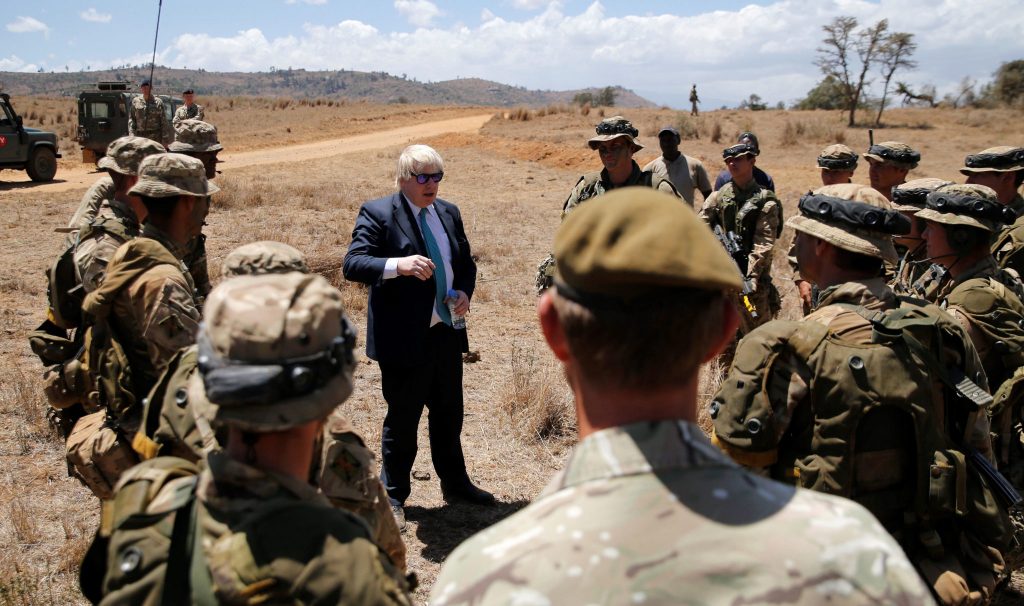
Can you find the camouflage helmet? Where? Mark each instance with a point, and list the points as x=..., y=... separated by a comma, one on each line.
x=895, y=153
x=614, y=127
x=168, y=175
x=126, y=153
x=910, y=197
x=264, y=257
x=837, y=157
x=852, y=217
x=274, y=352
x=1002, y=159
x=974, y=206
x=195, y=136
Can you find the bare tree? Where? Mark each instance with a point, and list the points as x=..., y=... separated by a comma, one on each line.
x=925, y=95
x=836, y=56
x=964, y=94
x=894, y=54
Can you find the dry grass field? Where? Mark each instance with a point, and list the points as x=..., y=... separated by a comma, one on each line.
x=510, y=180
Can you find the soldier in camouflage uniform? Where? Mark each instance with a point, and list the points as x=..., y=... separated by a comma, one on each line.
x=118, y=218
x=190, y=110
x=146, y=117
x=346, y=468
x=828, y=402
x=888, y=165
x=754, y=215
x=277, y=358
x=647, y=511
x=1002, y=169
x=909, y=198
x=615, y=144
x=88, y=206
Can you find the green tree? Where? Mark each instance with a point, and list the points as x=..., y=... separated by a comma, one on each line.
x=828, y=94
x=1008, y=86
x=606, y=97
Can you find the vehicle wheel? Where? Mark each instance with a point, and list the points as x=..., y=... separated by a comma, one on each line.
x=42, y=165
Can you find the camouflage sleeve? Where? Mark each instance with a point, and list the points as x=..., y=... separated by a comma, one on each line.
x=759, y=262
x=709, y=210
x=163, y=302
x=200, y=114
x=91, y=259
x=198, y=267
x=133, y=118
x=179, y=115
x=574, y=198
x=102, y=189
x=793, y=265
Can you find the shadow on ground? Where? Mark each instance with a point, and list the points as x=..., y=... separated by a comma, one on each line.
x=12, y=185
x=441, y=529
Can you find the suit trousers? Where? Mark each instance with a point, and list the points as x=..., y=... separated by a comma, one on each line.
x=435, y=381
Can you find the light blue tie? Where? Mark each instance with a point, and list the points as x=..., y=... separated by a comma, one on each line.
x=440, y=279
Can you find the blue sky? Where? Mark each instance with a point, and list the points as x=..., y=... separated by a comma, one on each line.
x=657, y=48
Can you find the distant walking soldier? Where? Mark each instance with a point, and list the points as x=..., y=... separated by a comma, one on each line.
x=647, y=511
x=190, y=110
x=615, y=144
x=888, y=165
x=871, y=397
x=276, y=358
x=146, y=117
x=748, y=219
x=694, y=100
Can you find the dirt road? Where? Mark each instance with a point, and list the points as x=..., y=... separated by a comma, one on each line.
x=81, y=177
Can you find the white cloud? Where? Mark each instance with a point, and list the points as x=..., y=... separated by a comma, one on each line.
x=14, y=63
x=95, y=16
x=420, y=13
x=768, y=49
x=530, y=5
x=310, y=2
x=25, y=25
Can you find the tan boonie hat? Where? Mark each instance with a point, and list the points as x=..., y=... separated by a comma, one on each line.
x=126, y=153
x=910, y=197
x=195, y=136
x=275, y=351
x=852, y=217
x=265, y=257
x=629, y=243
x=975, y=206
x=837, y=157
x=896, y=153
x=1003, y=159
x=167, y=175
x=611, y=128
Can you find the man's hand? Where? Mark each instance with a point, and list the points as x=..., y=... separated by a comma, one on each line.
x=461, y=302
x=417, y=266
x=806, y=296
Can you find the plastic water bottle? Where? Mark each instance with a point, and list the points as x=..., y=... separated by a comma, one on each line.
x=458, y=320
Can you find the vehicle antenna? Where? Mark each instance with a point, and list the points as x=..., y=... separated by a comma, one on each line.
x=152, y=63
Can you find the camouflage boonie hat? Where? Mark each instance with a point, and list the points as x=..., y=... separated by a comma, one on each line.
x=126, y=153
x=264, y=257
x=852, y=217
x=625, y=244
x=896, y=153
x=975, y=206
x=751, y=139
x=171, y=174
x=740, y=149
x=195, y=136
x=837, y=157
x=1003, y=159
x=910, y=197
x=611, y=128
x=274, y=351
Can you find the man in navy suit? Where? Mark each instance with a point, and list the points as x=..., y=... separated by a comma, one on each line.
x=411, y=249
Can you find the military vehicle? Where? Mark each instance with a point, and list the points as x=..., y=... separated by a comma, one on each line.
x=29, y=149
x=103, y=116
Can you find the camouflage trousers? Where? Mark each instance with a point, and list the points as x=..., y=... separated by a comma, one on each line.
x=545, y=274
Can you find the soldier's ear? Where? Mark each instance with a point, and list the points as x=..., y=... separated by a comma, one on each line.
x=551, y=326
x=730, y=322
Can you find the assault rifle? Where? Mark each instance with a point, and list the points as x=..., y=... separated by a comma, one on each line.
x=731, y=242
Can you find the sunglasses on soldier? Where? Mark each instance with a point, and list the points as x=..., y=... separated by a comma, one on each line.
x=423, y=178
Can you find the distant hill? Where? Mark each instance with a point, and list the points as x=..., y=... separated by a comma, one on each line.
x=378, y=87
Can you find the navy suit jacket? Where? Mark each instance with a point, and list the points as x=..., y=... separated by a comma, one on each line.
x=399, y=309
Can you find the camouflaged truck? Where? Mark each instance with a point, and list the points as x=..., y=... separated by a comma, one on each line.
x=22, y=148
x=103, y=116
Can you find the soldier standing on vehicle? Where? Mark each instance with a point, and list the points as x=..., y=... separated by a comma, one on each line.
x=615, y=144
x=888, y=165
x=190, y=110
x=276, y=358
x=146, y=117
x=871, y=397
x=647, y=511
x=750, y=217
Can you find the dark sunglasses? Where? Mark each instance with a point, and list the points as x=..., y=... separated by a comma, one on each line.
x=435, y=177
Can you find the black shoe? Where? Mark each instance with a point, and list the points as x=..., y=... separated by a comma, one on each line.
x=468, y=494
x=399, y=513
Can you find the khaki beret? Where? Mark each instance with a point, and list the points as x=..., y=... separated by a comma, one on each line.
x=637, y=241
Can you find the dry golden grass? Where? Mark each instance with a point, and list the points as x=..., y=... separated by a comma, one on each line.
x=509, y=181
